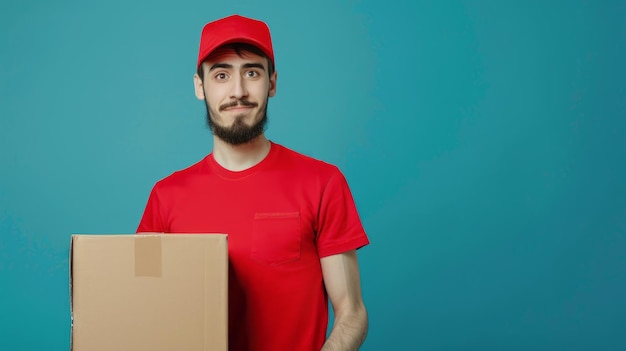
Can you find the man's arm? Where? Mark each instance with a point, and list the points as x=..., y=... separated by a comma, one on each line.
x=343, y=284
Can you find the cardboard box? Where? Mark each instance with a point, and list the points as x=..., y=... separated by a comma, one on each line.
x=149, y=292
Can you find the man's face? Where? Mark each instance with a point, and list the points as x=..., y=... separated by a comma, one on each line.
x=236, y=90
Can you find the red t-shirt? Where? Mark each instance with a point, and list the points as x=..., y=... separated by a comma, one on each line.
x=281, y=216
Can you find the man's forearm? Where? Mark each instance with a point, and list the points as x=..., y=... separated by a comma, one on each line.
x=348, y=333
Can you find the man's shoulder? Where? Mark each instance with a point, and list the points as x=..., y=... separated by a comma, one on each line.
x=184, y=175
x=302, y=160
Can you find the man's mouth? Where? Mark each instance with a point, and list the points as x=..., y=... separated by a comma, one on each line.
x=238, y=105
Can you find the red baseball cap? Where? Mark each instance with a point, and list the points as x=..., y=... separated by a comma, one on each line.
x=235, y=29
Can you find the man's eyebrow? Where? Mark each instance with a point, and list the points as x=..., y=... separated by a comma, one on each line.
x=220, y=65
x=253, y=65
x=229, y=66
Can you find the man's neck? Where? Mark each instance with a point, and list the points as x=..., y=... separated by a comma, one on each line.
x=240, y=157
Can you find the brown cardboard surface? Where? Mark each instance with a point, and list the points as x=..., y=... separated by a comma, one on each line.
x=149, y=292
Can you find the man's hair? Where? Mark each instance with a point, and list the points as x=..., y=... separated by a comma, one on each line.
x=240, y=49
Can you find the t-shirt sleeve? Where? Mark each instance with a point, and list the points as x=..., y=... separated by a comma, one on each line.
x=339, y=226
x=152, y=221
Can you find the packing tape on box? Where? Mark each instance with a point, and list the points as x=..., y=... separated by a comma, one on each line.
x=148, y=256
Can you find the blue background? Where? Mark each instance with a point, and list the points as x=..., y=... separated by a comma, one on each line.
x=483, y=142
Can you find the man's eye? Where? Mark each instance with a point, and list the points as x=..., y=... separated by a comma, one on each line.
x=220, y=76
x=252, y=74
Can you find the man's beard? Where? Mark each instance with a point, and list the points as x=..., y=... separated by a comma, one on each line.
x=239, y=132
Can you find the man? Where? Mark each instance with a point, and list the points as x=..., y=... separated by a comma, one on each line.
x=292, y=225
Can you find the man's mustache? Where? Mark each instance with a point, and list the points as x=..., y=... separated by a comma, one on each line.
x=238, y=103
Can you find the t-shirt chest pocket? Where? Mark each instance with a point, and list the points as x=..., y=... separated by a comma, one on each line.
x=276, y=237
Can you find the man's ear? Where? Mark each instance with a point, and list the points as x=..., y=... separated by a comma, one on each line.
x=198, y=86
x=273, y=80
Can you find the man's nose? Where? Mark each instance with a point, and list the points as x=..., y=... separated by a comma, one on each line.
x=239, y=90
